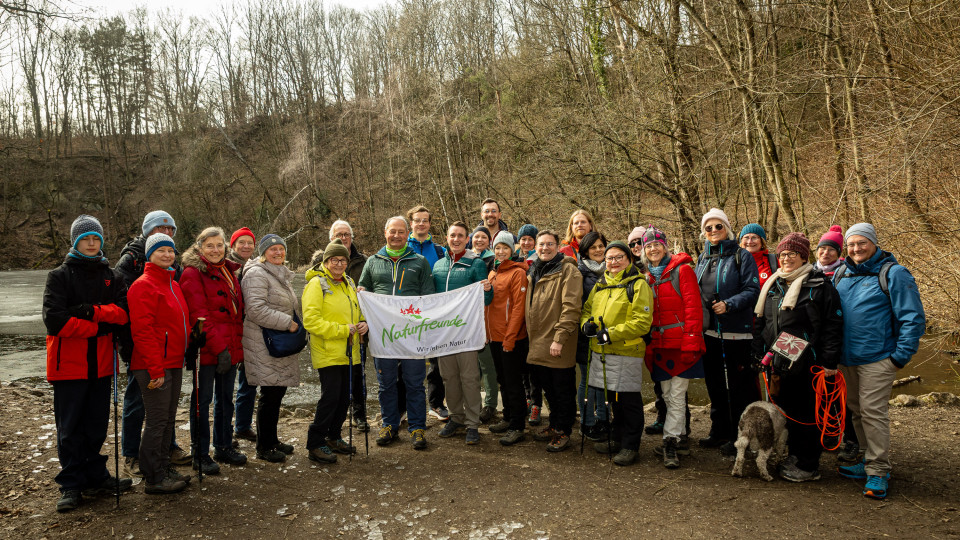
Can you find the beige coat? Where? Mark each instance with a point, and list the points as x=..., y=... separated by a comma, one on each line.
x=270, y=303
x=553, y=314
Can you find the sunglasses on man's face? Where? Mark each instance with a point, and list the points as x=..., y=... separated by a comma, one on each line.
x=711, y=228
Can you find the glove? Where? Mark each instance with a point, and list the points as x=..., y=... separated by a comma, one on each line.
x=223, y=362
x=82, y=311
x=589, y=328
x=197, y=338
x=603, y=338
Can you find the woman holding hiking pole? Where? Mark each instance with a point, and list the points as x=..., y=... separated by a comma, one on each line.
x=331, y=314
x=729, y=287
x=616, y=316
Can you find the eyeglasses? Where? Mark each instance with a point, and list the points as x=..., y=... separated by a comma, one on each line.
x=789, y=255
x=343, y=235
x=857, y=245
x=337, y=260
x=711, y=228
x=615, y=258
x=421, y=221
x=635, y=243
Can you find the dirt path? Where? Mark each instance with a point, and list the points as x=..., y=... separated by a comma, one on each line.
x=486, y=491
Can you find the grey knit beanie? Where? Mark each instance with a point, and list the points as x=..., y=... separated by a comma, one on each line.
x=156, y=241
x=85, y=225
x=158, y=218
x=270, y=240
x=865, y=230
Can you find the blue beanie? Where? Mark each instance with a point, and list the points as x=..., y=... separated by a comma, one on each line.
x=156, y=241
x=527, y=230
x=85, y=225
x=158, y=218
x=270, y=240
x=865, y=230
x=753, y=228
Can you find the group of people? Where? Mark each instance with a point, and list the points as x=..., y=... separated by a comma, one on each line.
x=555, y=305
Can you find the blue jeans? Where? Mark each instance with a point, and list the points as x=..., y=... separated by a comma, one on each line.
x=414, y=372
x=132, y=426
x=220, y=387
x=594, y=398
x=246, y=398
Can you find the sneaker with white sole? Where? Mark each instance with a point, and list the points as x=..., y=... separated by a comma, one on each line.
x=793, y=473
x=440, y=413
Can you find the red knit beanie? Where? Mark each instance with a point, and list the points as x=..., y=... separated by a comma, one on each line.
x=832, y=238
x=795, y=242
x=242, y=231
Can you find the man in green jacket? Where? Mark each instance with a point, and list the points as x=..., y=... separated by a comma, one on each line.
x=461, y=372
x=396, y=270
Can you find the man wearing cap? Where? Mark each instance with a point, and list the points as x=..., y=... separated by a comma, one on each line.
x=130, y=267
x=84, y=302
x=243, y=245
x=396, y=270
x=882, y=327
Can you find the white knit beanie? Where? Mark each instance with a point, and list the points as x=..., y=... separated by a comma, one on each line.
x=715, y=213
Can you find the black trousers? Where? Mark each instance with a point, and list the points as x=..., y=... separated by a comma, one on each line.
x=532, y=386
x=359, y=404
x=560, y=386
x=332, y=406
x=268, y=414
x=509, y=366
x=627, y=426
x=435, y=390
x=81, y=409
x=798, y=401
x=727, y=404
x=662, y=408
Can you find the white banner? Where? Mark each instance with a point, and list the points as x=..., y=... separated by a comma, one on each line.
x=425, y=326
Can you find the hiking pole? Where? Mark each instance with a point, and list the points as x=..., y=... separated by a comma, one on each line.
x=350, y=393
x=606, y=400
x=586, y=392
x=196, y=403
x=116, y=438
x=363, y=379
x=726, y=368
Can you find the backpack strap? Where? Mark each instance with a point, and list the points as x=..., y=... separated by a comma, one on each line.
x=883, y=276
x=439, y=251
x=673, y=278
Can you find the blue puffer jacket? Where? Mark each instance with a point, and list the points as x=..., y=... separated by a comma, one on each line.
x=868, y=335
x=738, y=287
x=430, y=251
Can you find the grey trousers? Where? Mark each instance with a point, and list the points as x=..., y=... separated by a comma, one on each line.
x=461, y=381
x=868, y=397
x=160, y=409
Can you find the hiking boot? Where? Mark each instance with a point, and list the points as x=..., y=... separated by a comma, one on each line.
x=728, y=449
x=69, y=500
x=165, y=486
x=247, y=435
x=545, y=435
x=108, y=487
x=440, y=413
x=473, y=436
x=179, y=457
x=560, y=442
x=511, y=437
x=712, y=442
x=793, y=473
x=418, y=440
x=850, y=453
x=285, y=448
x=500, y=427
x=131, y=467
x=655, y=428
x=604, y=448
x=856, y=471
x=596, y=432
x=450, y=429
x=386, y=436
x=877, y=486
x=341, y=446
x=235, y=443
x=175, y=475
x=230, y=456
x=272, y=455
x=363, y=426
x=670, y=458
x=683, y=447
x=534, y=419
x=487, y=414
x=206, y=465
x=322, y=454
x=625, y=457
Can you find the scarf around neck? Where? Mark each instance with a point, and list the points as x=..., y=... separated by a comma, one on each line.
x=657, y=270
x=541, y=268
x=594, y=266
x=796, y=279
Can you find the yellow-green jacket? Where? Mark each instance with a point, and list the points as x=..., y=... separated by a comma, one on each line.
x=329, y=307
x=626, y=322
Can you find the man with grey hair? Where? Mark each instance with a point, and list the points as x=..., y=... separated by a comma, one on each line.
x=342, y=230
x=883, y=321
x=396, y=270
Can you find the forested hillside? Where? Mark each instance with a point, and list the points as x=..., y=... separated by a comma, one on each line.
x=286, y=115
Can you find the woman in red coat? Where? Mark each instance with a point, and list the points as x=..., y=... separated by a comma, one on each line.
x=158, y=323
x=213, y=293
x=673, y=355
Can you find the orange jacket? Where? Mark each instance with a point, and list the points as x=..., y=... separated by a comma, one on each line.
x=505, y=314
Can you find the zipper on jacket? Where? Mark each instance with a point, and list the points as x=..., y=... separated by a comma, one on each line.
x=166, y=339
x=183, y=317
x=59, y=347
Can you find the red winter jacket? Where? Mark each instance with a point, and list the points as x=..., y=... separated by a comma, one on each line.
x=208, y=295
x=80, y=348
x=158, y=321
x=671, y=309
x=572, y=249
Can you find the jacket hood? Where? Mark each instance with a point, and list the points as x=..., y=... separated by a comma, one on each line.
x=676, y=259
x=322, y=271
x=191, y=257
x=510, y=263
x=136, y=247
x=873, y=264
x=282, y=272
x=413, y=240
x=467, y=254
x=626, y=275
x=726, y=247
